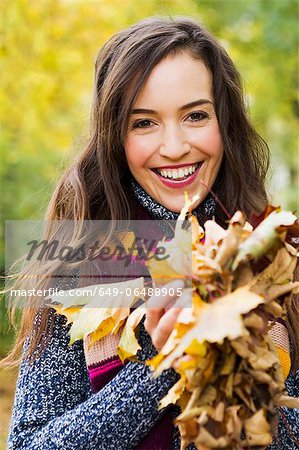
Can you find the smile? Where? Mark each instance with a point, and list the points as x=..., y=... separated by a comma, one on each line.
x=179, y=176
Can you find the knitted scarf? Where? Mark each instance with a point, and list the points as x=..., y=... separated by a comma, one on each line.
x=102, y=360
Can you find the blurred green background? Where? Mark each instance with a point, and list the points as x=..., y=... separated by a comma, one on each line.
x=47, y=53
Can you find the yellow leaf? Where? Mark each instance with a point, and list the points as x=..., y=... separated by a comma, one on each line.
x=97, y=317
x=189, y=203
x=67, y=312
x=88, y=320
x=155, y=361
x=186, y=362
x=179, y=250
x=128, y=345
x=161, y=272
x=197, y=230
x=101, y=295
x=103, y=329
x=127, y=239
x=196, y=348
x=173, y=394
x=119, y=317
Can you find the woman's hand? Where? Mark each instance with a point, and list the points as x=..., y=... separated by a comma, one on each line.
x=162, y=312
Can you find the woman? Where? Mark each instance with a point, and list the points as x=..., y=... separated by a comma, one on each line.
x=168, y=116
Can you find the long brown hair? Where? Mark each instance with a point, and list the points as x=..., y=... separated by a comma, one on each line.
x=96, y=185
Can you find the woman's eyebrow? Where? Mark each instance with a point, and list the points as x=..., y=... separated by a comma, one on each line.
x=200, y=102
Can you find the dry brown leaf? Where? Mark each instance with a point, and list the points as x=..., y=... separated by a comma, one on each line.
x=257, y=429
x=229, y=245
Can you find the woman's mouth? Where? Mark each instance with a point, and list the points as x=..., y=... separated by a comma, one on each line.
x=180, y=176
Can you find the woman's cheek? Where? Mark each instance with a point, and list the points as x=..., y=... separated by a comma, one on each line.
x=209, y=141
x=138, y=151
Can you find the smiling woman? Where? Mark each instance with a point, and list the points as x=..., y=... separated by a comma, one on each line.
x=173, y=142
x=168, y=116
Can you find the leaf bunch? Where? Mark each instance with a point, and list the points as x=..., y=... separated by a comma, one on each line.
x=230, y=374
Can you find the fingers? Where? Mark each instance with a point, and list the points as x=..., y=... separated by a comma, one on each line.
x=160, y=322
x=156, y=305
x=172, y=291
x=161, y=333
x=184, y=301
x=152, y=318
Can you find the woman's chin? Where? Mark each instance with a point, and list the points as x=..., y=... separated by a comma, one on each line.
x=176, y=200
x=175, y=205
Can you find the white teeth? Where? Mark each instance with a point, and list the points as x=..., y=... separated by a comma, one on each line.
x=178, y=173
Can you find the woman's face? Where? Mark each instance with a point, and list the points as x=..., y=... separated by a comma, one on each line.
x=173, y=140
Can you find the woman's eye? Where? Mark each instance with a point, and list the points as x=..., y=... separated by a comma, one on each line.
x=142, y=124
x=197, y=116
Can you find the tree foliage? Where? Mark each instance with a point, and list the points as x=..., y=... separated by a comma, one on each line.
x=47, y=55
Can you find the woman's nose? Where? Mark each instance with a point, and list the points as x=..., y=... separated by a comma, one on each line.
x=174, y=144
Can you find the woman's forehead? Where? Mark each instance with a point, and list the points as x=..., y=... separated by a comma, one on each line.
x=178, y=80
